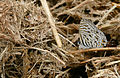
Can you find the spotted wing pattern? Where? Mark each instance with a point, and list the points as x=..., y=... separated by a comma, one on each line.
x=90, y=35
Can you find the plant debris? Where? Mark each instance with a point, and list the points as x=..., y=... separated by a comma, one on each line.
x=42, y=42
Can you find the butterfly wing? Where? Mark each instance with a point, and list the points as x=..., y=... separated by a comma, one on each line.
x=90, y=35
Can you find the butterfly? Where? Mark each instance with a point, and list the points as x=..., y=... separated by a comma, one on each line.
x=90, y=35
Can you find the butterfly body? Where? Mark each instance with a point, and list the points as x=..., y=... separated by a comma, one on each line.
x=90, y=35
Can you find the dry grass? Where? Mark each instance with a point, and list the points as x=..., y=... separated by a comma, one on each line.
x=36, y=41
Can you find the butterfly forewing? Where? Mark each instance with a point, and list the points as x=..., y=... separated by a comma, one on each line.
x=90, y=35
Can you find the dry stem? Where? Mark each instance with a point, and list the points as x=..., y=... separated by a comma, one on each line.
x=52, y=22
x=95, y=49
x=63, y=1
x=3, y=53
x=105, y=15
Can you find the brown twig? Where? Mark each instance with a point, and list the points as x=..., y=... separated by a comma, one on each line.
x=94, y=49
x=63, y=1
x=60, y=74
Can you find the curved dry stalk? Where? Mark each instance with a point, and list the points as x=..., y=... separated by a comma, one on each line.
x=49, y=53
x=80, y=5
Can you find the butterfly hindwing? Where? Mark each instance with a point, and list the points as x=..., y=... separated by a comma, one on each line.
x=90, y=35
